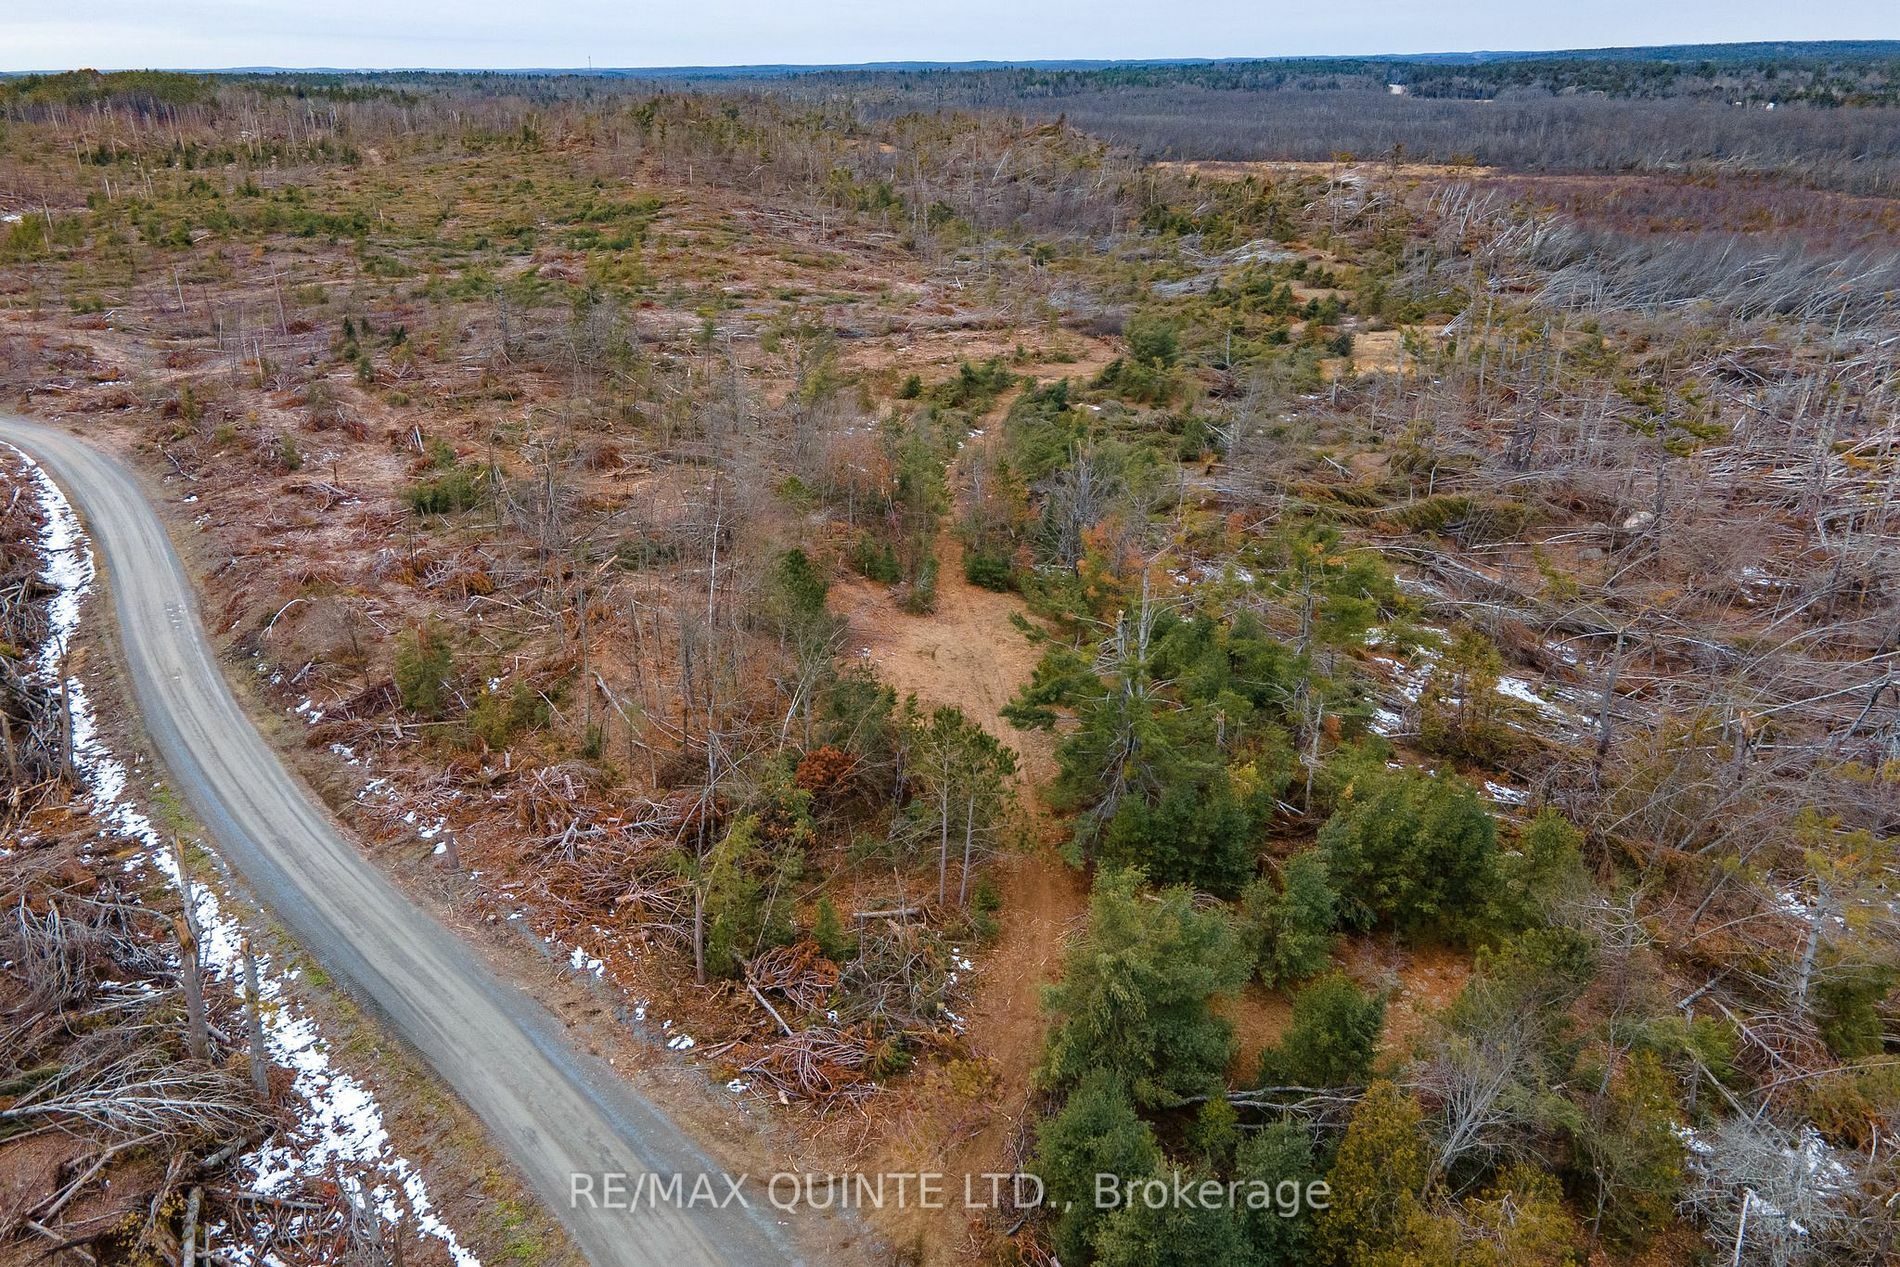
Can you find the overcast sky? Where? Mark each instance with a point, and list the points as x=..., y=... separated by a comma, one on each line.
x=112, y=34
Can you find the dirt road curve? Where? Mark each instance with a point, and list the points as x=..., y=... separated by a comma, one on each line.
x=553, y=1110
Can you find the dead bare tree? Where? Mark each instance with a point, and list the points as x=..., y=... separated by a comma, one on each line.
x=191, y=965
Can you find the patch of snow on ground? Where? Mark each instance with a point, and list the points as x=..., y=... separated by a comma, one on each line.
x=1518, y=689
x=1792, y=902
x=1387, y=723
x=1563, y=651
x=1506, y=795
x=1408, y=680
x=580, y=961
x=1693, y=1141
x=343, y=1124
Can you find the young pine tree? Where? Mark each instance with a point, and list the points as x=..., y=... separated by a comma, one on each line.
x=1292, y=924
x=1331, y=1039
x=1096, y=1132
x=1136, y=994
x=1377, y=1217
x=1411, y=851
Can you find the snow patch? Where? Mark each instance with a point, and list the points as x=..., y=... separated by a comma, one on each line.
x=1518, y=689
x=580, y=961
x=1506, y=795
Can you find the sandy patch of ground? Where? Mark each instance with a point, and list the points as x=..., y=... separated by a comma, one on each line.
x=1376, y=351
x=1422, y=981
x=965, y=653
x=1260, y=1018
x=1240, y=170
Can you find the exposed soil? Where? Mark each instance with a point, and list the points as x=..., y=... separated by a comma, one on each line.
x=965, y=653
x=1422, y=981
x=969, y=654
x=1241, y=169
x=1259, y=1017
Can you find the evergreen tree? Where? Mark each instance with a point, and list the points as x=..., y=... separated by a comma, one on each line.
x=1521, y=1221
x=1411, y=851
x=1148, y=763
x=423, y=665
x=1154, y=340
x=1061, y=678
x=963, y=774
x=1184, y=1235
x=1377, y=1181
x=1293, y=923
x=1096, y=1132
x=1460, y=711
x=1274, y=1154
x=794, y=595
x=1629, y=1152
x=1135, y=994
x=1331, y=1039
x=1336, y=591
x=1196, y=833
x=747, y=892
x=1544, y=873
x=828, y=930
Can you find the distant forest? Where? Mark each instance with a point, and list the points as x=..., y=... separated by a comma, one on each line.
x=1826, y=115
x=1855, y=75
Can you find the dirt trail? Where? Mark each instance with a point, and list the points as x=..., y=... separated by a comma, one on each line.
x=965, y=653
x=968, y=654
